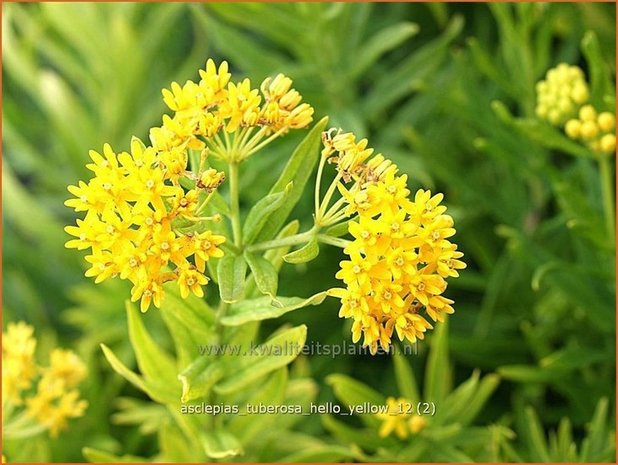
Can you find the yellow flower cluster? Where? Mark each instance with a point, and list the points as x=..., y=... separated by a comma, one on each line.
x=597, y=130
x=135, y=213
x=203, y=109
x=400, y=257
x=561, y=94
x=57, y=397
x=143, y=208
x=400, y=418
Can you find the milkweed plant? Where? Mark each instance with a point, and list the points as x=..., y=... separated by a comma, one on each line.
x=165, y=216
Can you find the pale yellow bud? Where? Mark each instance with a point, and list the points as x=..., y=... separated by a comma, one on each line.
x=607, y=122
x=573, y=128
x=579, y=93
x=587, y=113
x=589, y=130
x=608, y=143
x=541, y=110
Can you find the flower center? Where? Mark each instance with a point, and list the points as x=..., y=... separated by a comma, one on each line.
x=148, y=221
x=399, y=261
x=150, y=184
x=435, y=235
x=190, y=281
x=207, y=245
x=107, y=186
x=356, y=269
x=132, y=262
x=365, y=234
x=109, y=229
x=421, y=286
x=165, y=246
x=395, y=227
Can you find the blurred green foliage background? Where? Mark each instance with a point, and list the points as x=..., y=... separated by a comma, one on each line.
x=445, y=90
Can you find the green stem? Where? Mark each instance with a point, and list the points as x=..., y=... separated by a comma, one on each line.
x=318, y=180
x=336, y=241
x=284, y=241
x=234, y=204
x=607, y=189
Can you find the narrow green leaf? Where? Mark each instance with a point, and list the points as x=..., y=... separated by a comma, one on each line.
x=219, y=444
x=320, y=454
x=247, y=427
x=338, y=230
x=190, y=321
x=153, y=362
x=199, y=377
x=263, y=308
x=100, y=456
x=406, y=381
x=597, y=430
x=534, y=437
x=260, y=213
x=264, y=273
x=485, y=389
x=275, y=256
x=305, y=254
x=437, y=375
x=383, y=41
x=175, y=448
x=528, y=373
x=353, y=393
x=156, y=391
x=277, y=352
x=231, y=272
x=298, y=170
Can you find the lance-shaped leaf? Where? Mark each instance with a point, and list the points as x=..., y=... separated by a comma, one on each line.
x=199, y=377
x=261, y=212
x=264, y=308
x=305, y=254
x=352, y=393
x=231, y=272
x=261, y=360
x=219, y=444
x=298, y=170
x=264, y=273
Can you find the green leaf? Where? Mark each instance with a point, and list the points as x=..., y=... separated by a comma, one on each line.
x=298, y=170
x=100, y=456
x=437, y=374
x=277, y=352
x=174, y=445
x=352, y=393
x=320, y=454
x=272, y=392
x=600, y=84
x=383, y=41
x=264, y=273
x=485, y=389
x=406, y=381
x=275, y=256
x=260, y=213
x=190, y=321
x=534, y=437
x=219, y=444
x=199, y=377
x=231, y=272
x=305, y=254
x=263, y=308
x=338, y=230
x=157, y=390
x=529, y=373
x=153, y=362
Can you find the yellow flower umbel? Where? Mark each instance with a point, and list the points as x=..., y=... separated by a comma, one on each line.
x=208, y=112
x=400, y=257
x=561, y=94
x=143, y=210
x=596, y=130
x=136, y=221
x=18, y=365
x=56, y=398
x=400, y=419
